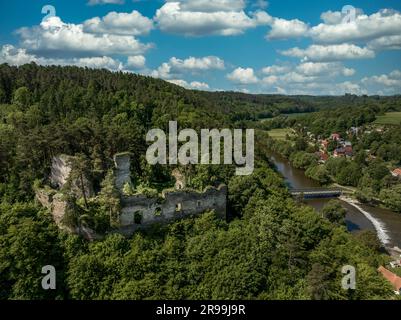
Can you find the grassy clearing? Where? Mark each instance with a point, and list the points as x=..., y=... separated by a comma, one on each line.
x=391, y=118
x=280, y=134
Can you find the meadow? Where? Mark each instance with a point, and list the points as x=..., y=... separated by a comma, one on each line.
x=280, y=134
x=390, y=118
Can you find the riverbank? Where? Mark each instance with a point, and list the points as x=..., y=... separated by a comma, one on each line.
x=381, y=230
x=360, y=216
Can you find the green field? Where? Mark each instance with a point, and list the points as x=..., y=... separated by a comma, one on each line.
x=391, y=118
x=280, y=134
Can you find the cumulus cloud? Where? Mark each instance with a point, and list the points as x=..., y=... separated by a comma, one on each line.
x=196, y=85
x=177, y=66
x=15, y=56
x=18, y=56
x=319, y=88
x=275, y=69
x=392, y=79
x=337, y=52
x=386, y=22
x=220, y=17
x=136, y=62
x=123, y=23
x=324, y=68
x=310, y=78
x=284, y=29
x=191, y=63
x=243, y=76
x=54, y=37
x=211, y=6
x=386, y=43
x=96, y=2
x=332, y=18
x=270, y=80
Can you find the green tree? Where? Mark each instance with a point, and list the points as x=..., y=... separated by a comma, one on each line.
x=22, y=97
x=334, y=212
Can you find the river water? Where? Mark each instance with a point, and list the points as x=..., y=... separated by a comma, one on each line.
x=389, y=221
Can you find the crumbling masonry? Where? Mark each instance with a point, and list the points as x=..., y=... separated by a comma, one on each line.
x=138, y=211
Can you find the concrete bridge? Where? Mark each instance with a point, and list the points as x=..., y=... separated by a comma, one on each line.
x=313, y=193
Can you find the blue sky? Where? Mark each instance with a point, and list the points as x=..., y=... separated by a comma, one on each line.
x=276, y=46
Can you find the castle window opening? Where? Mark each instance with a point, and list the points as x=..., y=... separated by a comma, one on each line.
x=138, y=217
x=158, y=212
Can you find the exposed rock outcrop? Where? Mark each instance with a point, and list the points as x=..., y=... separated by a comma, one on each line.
x=60, y=175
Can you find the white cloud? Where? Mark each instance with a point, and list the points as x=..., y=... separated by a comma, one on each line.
x=192, y=63
x=162, y=72
x=261, y=4
x=386, y=43
x=217, y=18
x=324, y=68
x=274, y=69
x=321, y=88
x=312, y=78
x=211, y=6
x=386, y=22
x=270, y=80
x=196, y=85
x=18, y=56
x=396, y=74
x=331, y=18
x=199, y=85
x=94, y=62
x=15, y=56
x=58, y=38
x=296, y=77
x=96, y=2
x=133, y=23
x=243, y=76
x=285, y=29
x=177, y=66
x=330, y=52
x=136, y=62
x=388, y=80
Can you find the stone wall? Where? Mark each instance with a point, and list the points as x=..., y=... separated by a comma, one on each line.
x=138, y=211
x=122, y=171
x=172, y=206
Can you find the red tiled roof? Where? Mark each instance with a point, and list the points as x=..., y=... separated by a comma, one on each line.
x=324, y=156
x=397, y=172
x=391, y=277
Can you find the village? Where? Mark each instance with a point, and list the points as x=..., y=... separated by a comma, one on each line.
x=337, y=146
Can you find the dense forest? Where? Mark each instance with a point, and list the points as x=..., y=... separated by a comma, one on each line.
x=271, y=247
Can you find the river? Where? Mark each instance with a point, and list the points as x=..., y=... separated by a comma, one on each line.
x=385, y=222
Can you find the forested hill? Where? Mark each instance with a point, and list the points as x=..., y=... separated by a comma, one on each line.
x=62, y=91
x=45, y=111
x=275, y=248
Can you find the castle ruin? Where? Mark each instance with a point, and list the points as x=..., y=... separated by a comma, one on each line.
x=139, y=210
